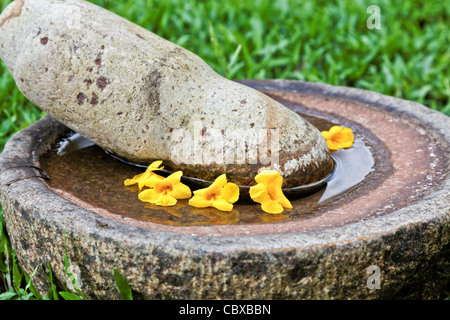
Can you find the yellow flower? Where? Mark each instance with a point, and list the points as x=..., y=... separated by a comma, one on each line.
x=220, y=195
x=166, y=191
x=338, y=137
x=143, y=178
x=268, y=192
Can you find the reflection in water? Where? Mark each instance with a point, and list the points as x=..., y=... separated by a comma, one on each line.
x=174, y=210
x=272, y=218
x=216, y=216
x=73, y=143
x=189, y=215
x=351, y=167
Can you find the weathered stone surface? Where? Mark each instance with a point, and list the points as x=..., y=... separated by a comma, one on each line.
x=130, y=91
x=410, y=243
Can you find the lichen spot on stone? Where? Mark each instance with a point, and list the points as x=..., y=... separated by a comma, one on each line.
x=102, y=82
x=81, y=97
x=98, y=59
x=94, y=99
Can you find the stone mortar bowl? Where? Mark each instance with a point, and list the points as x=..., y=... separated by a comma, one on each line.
x=395, y=228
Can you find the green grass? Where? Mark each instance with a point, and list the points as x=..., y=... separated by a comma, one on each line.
x=17, y=284
x=318, y=41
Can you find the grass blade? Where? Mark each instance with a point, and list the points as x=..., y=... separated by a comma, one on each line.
x=8, y=295
x=52, y=292
x=17, y=275
x=69, y=296
x=69, y=273
x=30, y=285
x=122, y=285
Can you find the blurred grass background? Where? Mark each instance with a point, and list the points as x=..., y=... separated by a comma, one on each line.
x=318, y=41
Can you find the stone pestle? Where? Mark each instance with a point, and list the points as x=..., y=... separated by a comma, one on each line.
x=143, y=98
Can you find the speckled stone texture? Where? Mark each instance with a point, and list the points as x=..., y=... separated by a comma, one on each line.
x=140, y=96
x=410, y=245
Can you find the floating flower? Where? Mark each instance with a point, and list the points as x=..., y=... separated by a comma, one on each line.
x=166, y=191
x=143, y=178
x=220, y=195
x=268, y=192
x=338, y=137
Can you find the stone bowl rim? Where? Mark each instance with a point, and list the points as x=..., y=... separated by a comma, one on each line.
x=73, y=219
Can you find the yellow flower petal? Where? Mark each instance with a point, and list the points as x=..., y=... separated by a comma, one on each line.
x=268, y=192
x=166, y=200
x=175, y=177
x=163, y=186
x=326, y=135
x=222, y=205
x=274, y=190
x=220, y=181
x=335, y=129
x=230, y=192
x=220, y=195
x=141, y=179
x=134, y=180
x=347, y=138
x=285, y=203
x=332, y=145
x=162, y=191
x=199, y=202
x=266, y=176
x=259, y=193
x=148, y=195
x=200, y=192
x=150, y=181
x=180, y=191
x=338, y=137
x=155, y=166
x=272, y=206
